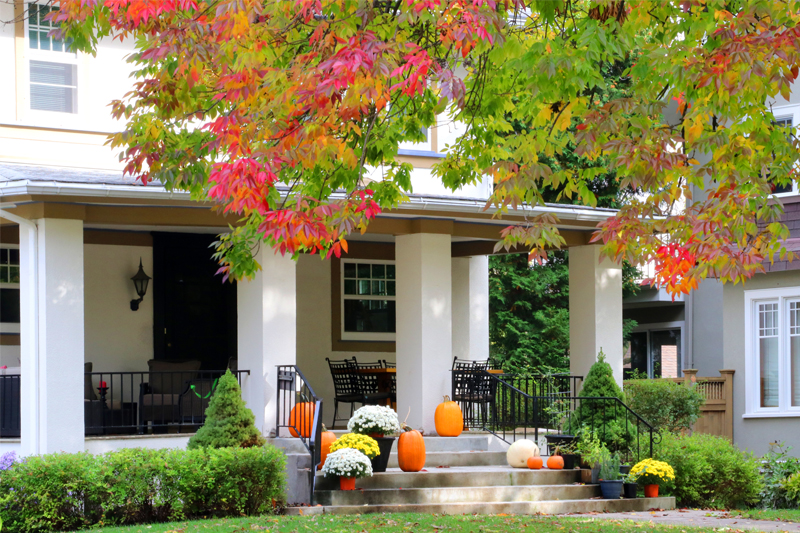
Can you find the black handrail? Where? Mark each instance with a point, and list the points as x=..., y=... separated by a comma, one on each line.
x=293, y=391
x=508, y=409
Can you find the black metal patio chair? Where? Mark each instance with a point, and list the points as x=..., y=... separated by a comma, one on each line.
x=369, y=385
x=472, y=387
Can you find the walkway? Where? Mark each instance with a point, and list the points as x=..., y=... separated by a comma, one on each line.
x=715, y=519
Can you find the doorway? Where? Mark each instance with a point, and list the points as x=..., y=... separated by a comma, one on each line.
x=655, y=352
x=194, y=312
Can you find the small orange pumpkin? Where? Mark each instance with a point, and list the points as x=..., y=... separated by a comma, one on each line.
x=535, y=462
x=302, y=418
x=555, y=462
x=411, y=450
x=326, y=439
x=449, y=419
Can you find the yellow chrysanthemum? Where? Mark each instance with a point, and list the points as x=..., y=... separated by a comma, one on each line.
x=363, y=443
x=651, y=471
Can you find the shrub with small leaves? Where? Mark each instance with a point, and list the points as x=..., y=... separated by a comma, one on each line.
x=776, y=467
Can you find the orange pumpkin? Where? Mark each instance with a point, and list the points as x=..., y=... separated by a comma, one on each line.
x=555, y=462
x=449, y=419
x=302, y=418
x=411, y=450
x=535, y=462
x=326, y=439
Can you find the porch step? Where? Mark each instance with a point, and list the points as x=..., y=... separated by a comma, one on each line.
x=440, y=495
x=489, y=476
x=473, y=442
x=517, y=507
x=450, y=459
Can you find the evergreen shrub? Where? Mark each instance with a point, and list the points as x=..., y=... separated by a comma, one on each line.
x=665, y=404
x=229, y=423
x=61, y=491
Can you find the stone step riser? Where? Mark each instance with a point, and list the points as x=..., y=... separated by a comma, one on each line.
x=457, y=495
x=437, y=459
x=444, y=478
x=432, y=444
x=519, y=508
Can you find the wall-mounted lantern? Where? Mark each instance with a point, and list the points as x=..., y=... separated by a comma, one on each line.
x=140, y=281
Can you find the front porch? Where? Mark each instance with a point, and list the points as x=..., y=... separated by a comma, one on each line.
x=76, y=262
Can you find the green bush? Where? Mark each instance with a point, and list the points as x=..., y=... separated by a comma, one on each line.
x=777, y=466
x=229, y=423
x=607, y=419
x=665, y=404
x=74, y=491
x=710, y=472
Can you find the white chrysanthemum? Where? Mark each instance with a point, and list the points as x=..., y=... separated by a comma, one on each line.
x=374, y=419
x=347, y=462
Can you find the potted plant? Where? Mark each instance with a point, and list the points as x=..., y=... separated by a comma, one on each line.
x=377, y=421
x=348, y=464
x=591, y=451
x=558, y=411
x=363, y=443
x=629, y=486
x=571, y=456
x=652, y=474
x=610, y=478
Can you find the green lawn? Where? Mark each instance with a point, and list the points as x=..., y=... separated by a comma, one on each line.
x=786, y=515
x=399, y=523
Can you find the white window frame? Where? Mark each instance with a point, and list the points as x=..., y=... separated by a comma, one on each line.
x=783, y=297
x=49, y=56
x=790, y=112
x=359, y=335
x=10, y=327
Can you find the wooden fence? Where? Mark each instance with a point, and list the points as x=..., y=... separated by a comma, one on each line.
x=716, y=416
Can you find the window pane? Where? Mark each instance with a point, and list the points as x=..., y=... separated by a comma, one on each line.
x=3, y=256
x=379, y=271
x=349, y=286
x=379, y=288
x=389, y=271
x=14, y=275
x=3, y=274
x=369, y=316
x=363, y=287
x=363, y=271
x=53, y=73
x=44, y=41
x=349, y=270
x=9, y=305
x=13, y=256
x=34, y=39
x=390, y=288
x=768, y=353
x=795, y=371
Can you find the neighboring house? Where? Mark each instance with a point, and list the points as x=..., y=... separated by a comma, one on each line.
x=73, y=231
x=752, y=328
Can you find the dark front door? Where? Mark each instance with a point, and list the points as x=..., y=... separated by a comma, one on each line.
x=194, y=311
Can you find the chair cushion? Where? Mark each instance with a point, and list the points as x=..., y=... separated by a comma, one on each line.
x=171, y=383
x=88, y=388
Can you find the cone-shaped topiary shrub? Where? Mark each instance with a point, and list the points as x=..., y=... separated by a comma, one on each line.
x=228, y=422
x=609, y=420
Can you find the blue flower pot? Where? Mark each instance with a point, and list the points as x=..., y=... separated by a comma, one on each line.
x=611, y=490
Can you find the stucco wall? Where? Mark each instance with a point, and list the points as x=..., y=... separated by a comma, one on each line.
x=117, y=339
x=314, y=332
x=750, y=433
x=707, y=328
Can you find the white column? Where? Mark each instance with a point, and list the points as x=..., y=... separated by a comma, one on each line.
x=267, y=333
x=595, y=310
x=471, y=307
x=52, y=379
x=424, y=325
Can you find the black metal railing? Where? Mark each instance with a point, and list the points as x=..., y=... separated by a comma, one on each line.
x=10, y=405
x=299, y=414
x=516, y=407
x=148, y=402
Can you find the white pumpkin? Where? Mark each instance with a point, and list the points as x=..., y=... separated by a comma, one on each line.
x=519, y=453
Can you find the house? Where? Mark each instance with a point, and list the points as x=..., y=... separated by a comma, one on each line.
x=412, y=291
x=750, y=328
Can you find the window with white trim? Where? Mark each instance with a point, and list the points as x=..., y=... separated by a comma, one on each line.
x=368, y=300
x=772, y=352
x=9, y=288
x=53, y=67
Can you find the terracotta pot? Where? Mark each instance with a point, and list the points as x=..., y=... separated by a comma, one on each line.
x=651, y=491
x=347, y=483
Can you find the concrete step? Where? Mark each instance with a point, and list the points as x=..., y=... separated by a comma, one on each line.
x=487, y=476
x=467, y=458
x=596, y=505
x=463, y=443
x=456, y=495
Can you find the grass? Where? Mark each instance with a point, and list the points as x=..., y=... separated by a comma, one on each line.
x=785, y=515
x=400, y=523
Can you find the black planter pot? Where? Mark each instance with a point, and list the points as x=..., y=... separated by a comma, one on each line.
x=571, y=460
x=629, y=489
x=558, y=440
x=380, y=463
x=611, y=490
x=624, y=469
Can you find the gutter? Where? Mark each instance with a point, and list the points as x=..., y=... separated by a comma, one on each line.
x=442, y=203
x=34, y=321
